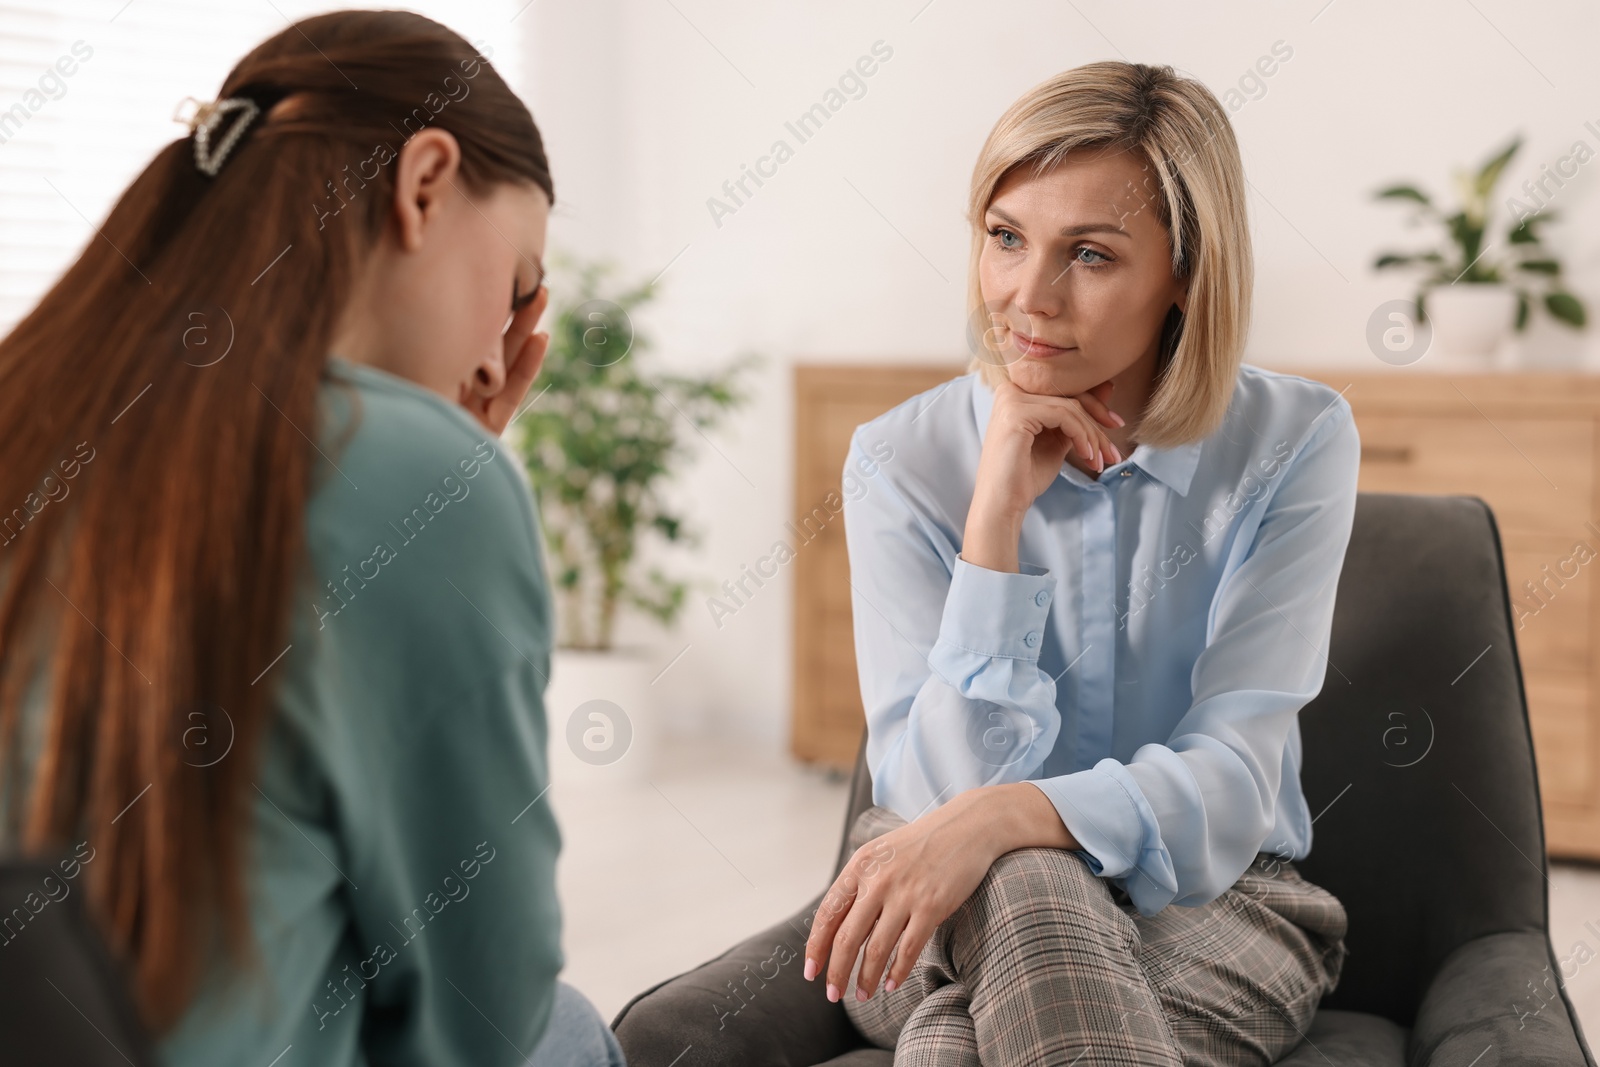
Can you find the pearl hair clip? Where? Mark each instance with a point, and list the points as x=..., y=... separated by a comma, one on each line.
x=203, y=122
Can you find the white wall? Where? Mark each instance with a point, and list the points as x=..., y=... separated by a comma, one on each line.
x=72, y=144
x=855, y=250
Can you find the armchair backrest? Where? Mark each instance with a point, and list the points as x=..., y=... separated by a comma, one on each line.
x=65, y=1000
x=1418, y=762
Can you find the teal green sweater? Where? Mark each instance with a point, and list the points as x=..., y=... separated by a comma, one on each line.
x=403, y=843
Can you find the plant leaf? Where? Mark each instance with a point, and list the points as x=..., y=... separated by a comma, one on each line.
x=1398, y=259
x=1526, y=232
x=1404, y=192
x=1541, y=266
x=1566, y=307
x=1489, y=173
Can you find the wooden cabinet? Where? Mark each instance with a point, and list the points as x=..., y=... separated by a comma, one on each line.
x=1524, y=442
x=830, y=402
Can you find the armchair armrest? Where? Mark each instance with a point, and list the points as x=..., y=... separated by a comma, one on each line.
x=1503, y=990
x=750, y=1005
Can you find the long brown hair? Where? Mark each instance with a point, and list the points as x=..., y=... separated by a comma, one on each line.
x=165, y=390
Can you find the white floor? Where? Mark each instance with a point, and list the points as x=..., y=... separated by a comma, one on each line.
x=1575, y=933
x=660, y=874
x=723, y=839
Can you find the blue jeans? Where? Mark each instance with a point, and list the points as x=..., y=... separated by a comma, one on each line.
x=577, y=1036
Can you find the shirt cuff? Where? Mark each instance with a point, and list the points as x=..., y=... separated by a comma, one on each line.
x=1115, y=825
x=997, y=613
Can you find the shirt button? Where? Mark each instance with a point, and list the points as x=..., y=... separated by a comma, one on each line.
x=1041, y=598
x=1127, y=473
x=1031, y=639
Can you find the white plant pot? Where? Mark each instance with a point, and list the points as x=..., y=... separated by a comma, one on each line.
x=1470, y=322
x=602, y=715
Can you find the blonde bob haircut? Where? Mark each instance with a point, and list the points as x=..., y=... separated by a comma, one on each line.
x=1193, y=175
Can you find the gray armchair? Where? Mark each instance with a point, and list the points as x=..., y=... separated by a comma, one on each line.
x=1419, y=759
x=63, y=1000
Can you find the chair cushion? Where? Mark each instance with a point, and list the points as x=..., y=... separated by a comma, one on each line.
x=1349, y=1039
x=862, y=1057
x=1343, y=1038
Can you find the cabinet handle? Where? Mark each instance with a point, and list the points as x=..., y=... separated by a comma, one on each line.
x=1386, y=453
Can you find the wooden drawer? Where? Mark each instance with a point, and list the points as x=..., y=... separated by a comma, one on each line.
x=1563, y=736
x=1551, y=620
x=1536, y=473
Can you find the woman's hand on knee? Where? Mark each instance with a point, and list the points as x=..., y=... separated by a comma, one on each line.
x=896, y=890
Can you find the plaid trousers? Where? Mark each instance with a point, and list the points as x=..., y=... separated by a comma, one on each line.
x=1048, y=964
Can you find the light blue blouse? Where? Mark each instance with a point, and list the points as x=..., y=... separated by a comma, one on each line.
x=1146, y=668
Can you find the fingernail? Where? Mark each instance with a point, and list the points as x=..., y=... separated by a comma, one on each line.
x=811, y=968
x=1119, y=419
x=888, y=987
x=833, y=992
x=861, y=994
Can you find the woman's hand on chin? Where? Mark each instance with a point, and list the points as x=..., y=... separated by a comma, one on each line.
x=1029, y=436
x=524, y=353
x=1027, y=441
x=898, y=888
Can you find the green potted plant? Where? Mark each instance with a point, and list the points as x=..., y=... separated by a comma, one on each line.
x=1476, y=286
x=600, y=438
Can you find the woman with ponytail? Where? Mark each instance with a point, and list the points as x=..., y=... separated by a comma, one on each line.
x=274, y=625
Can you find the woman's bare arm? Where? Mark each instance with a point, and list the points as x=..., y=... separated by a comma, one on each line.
x=1023, y=817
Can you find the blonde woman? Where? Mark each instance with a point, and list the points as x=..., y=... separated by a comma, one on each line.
x=1090, y=599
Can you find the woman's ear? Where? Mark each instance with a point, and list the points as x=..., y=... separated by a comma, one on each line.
x=424, y=176
x=1182, y=297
